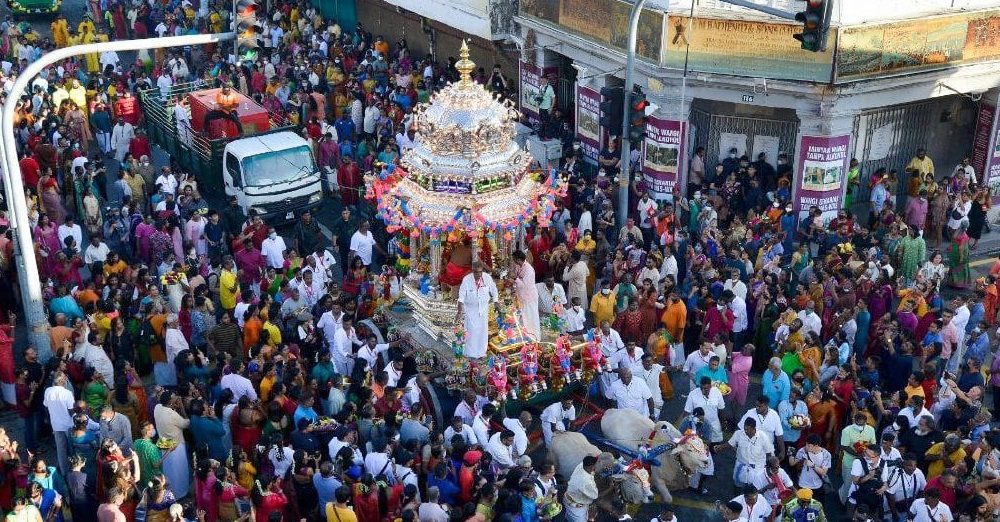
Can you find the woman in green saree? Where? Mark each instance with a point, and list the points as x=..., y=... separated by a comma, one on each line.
x=959, y=274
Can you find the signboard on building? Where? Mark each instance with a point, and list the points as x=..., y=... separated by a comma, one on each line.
x=745, y=48
x=914, y=45
x=663, y=158
x=588, y=121
x=991, y=171
x=604, y=21
x=823, y=164
x=530, y=81
x=981, y=140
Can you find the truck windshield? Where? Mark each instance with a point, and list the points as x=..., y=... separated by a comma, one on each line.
x=268, y=168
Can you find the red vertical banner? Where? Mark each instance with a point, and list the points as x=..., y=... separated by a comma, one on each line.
x=981, y=140
x=663, y=156
x=530, y=82
x=588, y=121
x=823, y=164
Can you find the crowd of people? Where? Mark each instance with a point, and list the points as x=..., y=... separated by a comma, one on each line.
x=204, y=367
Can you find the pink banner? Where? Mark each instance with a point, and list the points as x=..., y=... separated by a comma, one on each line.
x=531, y=79
x=981, y=140
x=663, y=156
x=823, y=164
x=588, y=121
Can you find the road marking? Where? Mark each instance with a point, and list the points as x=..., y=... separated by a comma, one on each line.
x=693, y=504
x=981, y=262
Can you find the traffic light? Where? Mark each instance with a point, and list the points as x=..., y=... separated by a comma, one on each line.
x=248, y=30
x=813, y=25
x=611, y=109
x=637, y=116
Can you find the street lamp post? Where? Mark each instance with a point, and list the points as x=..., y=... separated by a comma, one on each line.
x=27, y=265
x=624, y=164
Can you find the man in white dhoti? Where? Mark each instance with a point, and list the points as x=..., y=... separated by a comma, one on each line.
x=182, y=116
x=475, y=295
x=527, y=295
x=581, y=491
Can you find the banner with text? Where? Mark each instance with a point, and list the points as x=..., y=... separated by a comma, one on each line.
x=823, y=164
x=662, y=160
x=981, y=140
x=992, y=168
x=530, y=81
x=588, y=121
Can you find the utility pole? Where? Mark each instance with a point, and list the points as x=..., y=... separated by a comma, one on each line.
x=24, y=251
x=625, y=174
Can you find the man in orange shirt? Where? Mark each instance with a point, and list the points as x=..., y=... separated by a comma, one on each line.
x=226, y=103
x=674, y=318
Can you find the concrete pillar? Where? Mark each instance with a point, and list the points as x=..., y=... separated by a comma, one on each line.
x=821, y=159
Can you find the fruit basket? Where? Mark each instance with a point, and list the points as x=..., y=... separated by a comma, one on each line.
x=723, y=388
x=799, y=422
x=166, y=444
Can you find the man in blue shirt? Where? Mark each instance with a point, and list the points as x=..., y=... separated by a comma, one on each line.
x=345, y=127
x=305, y=409
x=775, y=384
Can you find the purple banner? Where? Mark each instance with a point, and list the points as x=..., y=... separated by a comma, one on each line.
x=981, y=140
x=823, y=164
x=588, y=121
x=531, y=79
x=663, y=158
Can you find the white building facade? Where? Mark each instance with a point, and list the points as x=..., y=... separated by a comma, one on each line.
x=925, y=75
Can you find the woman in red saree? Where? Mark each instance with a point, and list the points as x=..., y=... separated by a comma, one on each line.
x=247, y=423
x=823, y=413
x=650, y=308
x=842, y=387
x=991, y=301
x=629, y=324
x=267, y=498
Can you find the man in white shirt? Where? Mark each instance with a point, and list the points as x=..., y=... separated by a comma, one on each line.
x=273, y=248
x=470, y=406
x=629, y=357
x=930, y=508
x=377, y=461
x=97, y=251
x=811, y=322
x=768, y=478
x=575, y=318
x=768, y=423
x=550, y=293
x=755, y=507
x=519, y=427
x=696, y=361
x=740, y=320
x=557, y=417
x=59, y=401
x=70, y=229
x=460, y=428
x=501, y=447
x=904, y=484
x=348, y=439
x=481, y=422
x=650, y=372
x=709, y=399
x=167, y=181
x=431, y=511
x=735, y=285
x=237, y=383
x=752, y=450
x=342, y=348
x=121, y=136
x=632, y=393
x=363, y=243
x=109, y=58
x=914, y=410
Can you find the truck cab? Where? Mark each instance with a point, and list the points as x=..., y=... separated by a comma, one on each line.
x=272, y=175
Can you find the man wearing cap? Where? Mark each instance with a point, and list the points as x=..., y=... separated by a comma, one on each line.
x=803, y=508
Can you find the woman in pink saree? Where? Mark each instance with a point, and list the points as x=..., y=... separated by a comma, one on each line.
x=739, y=374
x=47, y=242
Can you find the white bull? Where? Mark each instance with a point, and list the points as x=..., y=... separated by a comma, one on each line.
x=630, y=429
x=567, y=451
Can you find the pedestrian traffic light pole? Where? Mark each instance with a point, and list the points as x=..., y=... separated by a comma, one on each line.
x=624, y=164
x=24, y=251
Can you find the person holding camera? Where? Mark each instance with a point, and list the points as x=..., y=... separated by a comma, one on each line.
x=867, y=486
x=904, y=483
